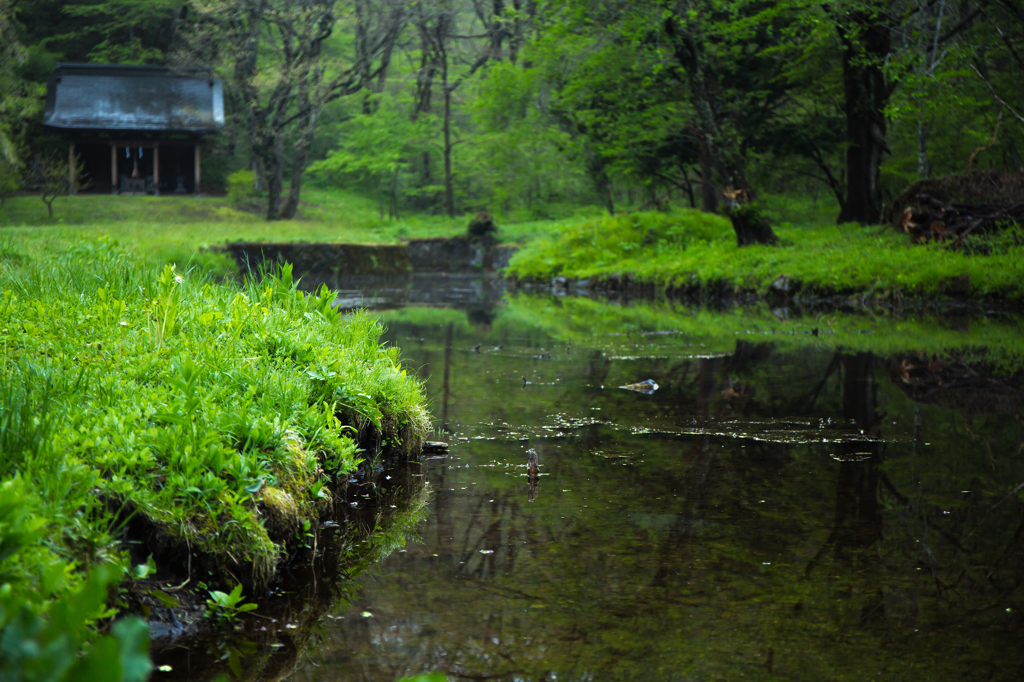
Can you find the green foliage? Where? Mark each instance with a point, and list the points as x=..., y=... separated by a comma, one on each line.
x=19, y=98
x=375, y=150
x=126, y=31
x=224, y=608
x=46, y=610
x=10, y=180
x=599, y=245
x=193, y=403
x=242, y=191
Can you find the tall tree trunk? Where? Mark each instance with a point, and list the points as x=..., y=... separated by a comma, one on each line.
x=291, y=206
x=272, y=165
x=602, y=183
x=708, y=192
x=922, y=150
x=303, y=143
x=866, y=43
x=449, y=190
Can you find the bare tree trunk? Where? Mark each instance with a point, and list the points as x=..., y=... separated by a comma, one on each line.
x=449, y=190
x=922, y=150
x=302, y=145
x=866, y=94
x=291, y=206
x=708, y=192
x=272, y=165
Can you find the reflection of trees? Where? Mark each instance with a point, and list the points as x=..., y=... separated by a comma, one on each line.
x=857, y=523
x=617, y=590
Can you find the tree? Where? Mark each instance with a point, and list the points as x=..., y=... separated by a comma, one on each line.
x=111, y=31
x=272, y=55
x=56, y=179
x=374, y=150
x=19, y=98
x=678, y=68
x=437, y=23
x=865, y=34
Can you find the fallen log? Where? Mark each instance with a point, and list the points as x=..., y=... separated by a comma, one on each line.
x=933, y=220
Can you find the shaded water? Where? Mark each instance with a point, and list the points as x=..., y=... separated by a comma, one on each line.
x=844, y=504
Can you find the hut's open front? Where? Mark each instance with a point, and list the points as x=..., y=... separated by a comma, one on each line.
x=135, y=129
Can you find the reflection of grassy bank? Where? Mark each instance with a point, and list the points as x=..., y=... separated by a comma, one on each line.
x=202, y=424
x=692, y=249
x=587, y=322
x=290, y=625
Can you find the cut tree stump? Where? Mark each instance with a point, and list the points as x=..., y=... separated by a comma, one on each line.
x=748, y=222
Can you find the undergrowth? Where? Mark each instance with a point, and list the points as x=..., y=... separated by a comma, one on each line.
x=689, y=248
x=217, y=416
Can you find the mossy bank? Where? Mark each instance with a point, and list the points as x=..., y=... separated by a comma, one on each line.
x=149, y=412
x=693, y=253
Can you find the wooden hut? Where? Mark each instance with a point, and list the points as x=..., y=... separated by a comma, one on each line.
x=135, y=129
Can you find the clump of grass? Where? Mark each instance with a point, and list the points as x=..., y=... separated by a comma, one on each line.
x=601, y=245
x=689, y=248
x=200, y=406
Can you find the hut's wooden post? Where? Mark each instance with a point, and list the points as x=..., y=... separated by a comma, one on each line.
x=197, y=169
x=71, y=169
x=113, y=168
x=156, y=169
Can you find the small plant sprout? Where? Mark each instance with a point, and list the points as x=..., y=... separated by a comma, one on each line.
x=224, y=608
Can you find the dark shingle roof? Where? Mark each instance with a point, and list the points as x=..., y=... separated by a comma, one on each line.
x=126, y=97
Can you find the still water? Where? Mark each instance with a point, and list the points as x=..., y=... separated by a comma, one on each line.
x=825, y=496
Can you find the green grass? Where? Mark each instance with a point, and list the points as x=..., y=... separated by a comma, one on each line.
x=175, y=229
x=689, y=248
x=221, y=415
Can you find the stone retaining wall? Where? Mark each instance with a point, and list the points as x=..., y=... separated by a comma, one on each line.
x=442, y=254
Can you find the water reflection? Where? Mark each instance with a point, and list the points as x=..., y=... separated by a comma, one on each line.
x=373, y=519
x=469, y=292
x=772, y=509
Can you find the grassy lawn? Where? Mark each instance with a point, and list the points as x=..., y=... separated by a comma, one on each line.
x=680, y=248
x=173, y=228
x=689, y=248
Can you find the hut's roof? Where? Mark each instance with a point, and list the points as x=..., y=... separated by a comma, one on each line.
x=129, y=97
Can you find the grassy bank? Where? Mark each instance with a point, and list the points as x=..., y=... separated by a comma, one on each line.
x=146, y=412
x=176, y=229
x=690, y=249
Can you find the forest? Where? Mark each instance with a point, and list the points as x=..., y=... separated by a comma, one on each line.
x=533, y=109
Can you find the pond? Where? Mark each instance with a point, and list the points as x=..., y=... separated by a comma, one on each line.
x=811, y=495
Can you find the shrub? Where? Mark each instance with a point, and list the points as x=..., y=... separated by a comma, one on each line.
x=242, y=190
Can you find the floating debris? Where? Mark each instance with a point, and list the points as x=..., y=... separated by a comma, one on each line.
x=435, y=447
x=646, y=387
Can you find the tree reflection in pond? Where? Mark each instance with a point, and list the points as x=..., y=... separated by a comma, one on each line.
x=773, y=509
